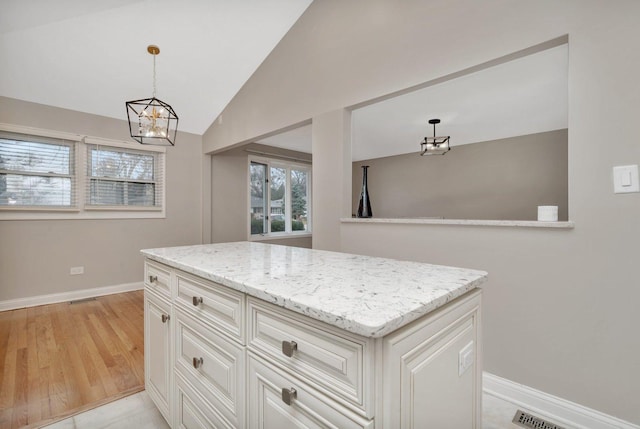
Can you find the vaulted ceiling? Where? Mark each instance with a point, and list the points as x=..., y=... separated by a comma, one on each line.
x=527, y=95
x=91, y=56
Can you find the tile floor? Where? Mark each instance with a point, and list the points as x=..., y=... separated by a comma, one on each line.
x=137, y=411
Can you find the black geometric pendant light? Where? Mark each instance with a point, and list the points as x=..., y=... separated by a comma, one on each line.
x=151, y=120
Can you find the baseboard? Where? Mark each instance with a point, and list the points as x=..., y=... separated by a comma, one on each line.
x=54, y=298
x=551, y=407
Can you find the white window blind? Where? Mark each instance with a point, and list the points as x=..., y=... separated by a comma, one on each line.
x=36, y=172
x=124, y=178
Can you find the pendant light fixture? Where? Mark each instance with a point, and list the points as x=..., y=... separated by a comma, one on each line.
x=152, y=121
x=434, y=145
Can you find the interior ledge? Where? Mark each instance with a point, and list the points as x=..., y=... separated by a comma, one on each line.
x=468, y=222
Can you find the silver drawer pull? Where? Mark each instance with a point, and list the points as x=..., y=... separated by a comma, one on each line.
x=197, y=362
x=165, y=318
x=288, y=395
x=153, y=279
x=288, y=347
x=197, y=300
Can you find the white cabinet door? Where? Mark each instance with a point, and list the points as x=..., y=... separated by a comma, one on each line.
x=157, y=352
x=300, y=407
x=432, y=370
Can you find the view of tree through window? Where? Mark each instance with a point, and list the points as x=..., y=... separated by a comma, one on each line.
x=119, y=177
x=279, y=197
x=36, y=173
x=59, y=175
x=278, y=185
x=258, y=201
x=299, y=198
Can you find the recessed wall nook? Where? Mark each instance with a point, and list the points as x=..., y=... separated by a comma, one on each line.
x=510, y=148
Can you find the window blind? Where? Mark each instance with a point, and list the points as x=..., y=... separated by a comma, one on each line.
x=118, y=177
x=37, y=171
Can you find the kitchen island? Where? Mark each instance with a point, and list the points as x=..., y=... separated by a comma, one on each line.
x=257, y=335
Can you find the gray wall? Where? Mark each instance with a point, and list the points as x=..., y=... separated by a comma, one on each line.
x=229, y=194
x=504, y=179
x=559, y=303
x=35, y=256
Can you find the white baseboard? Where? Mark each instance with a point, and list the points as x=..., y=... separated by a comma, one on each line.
x=53, y=298
x=556, y=409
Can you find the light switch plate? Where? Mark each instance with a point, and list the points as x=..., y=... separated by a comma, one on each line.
x=625, y=179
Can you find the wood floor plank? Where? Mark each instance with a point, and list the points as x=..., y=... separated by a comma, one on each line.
x=20, y=414
x=41, y=336
x=92, y=353
x=9, y=369
x=59, y=359
x=33, y=378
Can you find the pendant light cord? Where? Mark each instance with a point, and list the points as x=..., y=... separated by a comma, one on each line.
x=154, y=76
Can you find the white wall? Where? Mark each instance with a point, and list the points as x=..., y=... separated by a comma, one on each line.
x=505, y=179
x=559, y=304
x=35, y=255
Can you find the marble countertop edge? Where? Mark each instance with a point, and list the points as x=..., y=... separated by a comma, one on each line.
x=361, y=320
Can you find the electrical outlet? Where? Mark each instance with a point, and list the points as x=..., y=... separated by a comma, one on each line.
x=74, y=271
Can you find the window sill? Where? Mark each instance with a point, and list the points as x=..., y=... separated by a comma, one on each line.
x=79, y=215
x=123, y=208
x=462, y=222
x=260, y=237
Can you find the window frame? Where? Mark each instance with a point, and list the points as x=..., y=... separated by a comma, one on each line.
x=288, y=166
x=82, y=210
x=72, y=144
x=158, y=167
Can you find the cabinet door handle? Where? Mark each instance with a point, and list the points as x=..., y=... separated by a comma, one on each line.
x=197, y=362
x=197, y=300
x=288, y=347
x=288, y=395
x=165, y=318
x=153, y=279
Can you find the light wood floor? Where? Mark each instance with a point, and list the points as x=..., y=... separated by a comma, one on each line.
x=60, y=359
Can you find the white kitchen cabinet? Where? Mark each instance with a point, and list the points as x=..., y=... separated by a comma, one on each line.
x=423, y=382
x=211, y=365
x=278, y=400
x=217, y=357
x=157, y=351
x=332, y=360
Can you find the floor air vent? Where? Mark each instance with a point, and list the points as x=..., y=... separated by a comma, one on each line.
x=528, y=421
x=80, y=301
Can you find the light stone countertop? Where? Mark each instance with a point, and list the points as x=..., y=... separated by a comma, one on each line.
x=463, y=222
x=365, y=295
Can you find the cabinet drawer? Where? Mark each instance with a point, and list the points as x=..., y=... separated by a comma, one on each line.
x=212, y=303
x=193, y=412
x=332, y=360
x=306, y=407
x=212, y=364
x=157, y=278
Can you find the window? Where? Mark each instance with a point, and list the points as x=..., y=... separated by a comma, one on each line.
x=122, y=177
x=279, y=193
x=56, y=175
x=36, y=172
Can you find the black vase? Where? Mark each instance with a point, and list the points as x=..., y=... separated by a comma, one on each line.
x=364, y=207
